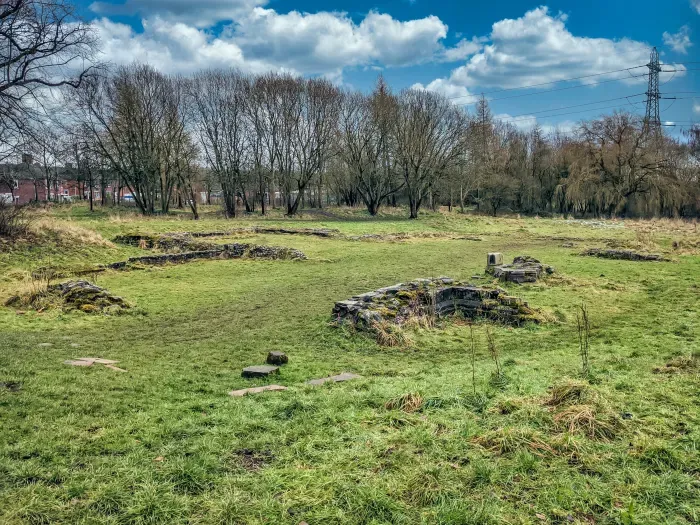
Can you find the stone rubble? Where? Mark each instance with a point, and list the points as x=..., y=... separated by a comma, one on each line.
x=435, y=297
x=524, y=269
x=627, y=255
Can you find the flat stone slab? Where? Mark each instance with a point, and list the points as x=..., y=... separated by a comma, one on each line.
x=260, y=371
x=89, y=361
x=256, y=390
x=78, y=362
x=345, y=376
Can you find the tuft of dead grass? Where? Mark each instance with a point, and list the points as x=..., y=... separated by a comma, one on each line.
x=570, y=392
x=512, y=439
x=391, y=335
x=588, y=420
x=409, y=403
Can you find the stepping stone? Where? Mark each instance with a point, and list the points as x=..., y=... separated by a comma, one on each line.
x=256, y=390
x=277, y=358
x=260, y=371
x=79, y=362
x=345, y=376
x=112, y=367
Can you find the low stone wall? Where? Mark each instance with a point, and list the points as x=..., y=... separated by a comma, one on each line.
x=436, y=297
x=525, y=269
x=222, y=251
x=626, y=255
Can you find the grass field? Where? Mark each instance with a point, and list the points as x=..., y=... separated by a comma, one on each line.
x=164, y=443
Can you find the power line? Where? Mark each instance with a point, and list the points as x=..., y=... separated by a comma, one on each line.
x=562, y=114
x=578, y=105
x=553, y=82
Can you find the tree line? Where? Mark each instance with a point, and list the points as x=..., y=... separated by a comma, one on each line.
x=276, y=139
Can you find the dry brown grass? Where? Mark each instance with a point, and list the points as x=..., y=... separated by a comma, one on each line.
x=66, y=233
x=409, y=403
x=570, y=392
x=512, y=439
x=391, y=335
x=589, y=421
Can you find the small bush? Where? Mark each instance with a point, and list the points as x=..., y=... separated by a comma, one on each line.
x=15, y=222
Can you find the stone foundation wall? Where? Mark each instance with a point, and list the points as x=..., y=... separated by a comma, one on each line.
x=437, y=297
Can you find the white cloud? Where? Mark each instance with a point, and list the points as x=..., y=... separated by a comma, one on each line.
x=696, y=107
x=440, y=85
x=696, y=5
x=202, y=13
x=528, y=122
x=172, y=47
x=679, y=42
x=322, y=43
x=464, y=49
x=538, y=48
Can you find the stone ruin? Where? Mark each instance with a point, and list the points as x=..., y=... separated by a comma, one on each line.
x=73, y=295
x=524, y=269
x=437, y=297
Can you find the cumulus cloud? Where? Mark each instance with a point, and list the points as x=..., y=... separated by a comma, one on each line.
x=538, y=48
x=464, y=49
x=459, y=94
x=696, y=107
x=679, y=42
x=696, y=5
x=172, y=47
x=202, y=13
x=320, y=43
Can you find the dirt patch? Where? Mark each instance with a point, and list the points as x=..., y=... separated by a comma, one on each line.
x=680, y=365
x=253, y=460
x=11, y=386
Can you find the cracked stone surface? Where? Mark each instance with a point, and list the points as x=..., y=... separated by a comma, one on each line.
x=345, y=376
x=260, y=371
x=256, y=390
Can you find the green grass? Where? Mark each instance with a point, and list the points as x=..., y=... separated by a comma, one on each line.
x=164, y=443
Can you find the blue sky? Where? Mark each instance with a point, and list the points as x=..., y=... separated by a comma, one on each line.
x=458, y=48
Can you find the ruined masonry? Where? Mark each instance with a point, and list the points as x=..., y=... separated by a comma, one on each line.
x=437, y=297
x=525, y=269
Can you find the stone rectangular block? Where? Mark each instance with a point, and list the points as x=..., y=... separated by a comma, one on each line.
x=260, y=371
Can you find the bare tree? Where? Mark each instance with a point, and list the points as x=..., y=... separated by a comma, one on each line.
x=365, y=144
x=218, y=103
x=135, y=121
x=43, y=45
x=429, y=134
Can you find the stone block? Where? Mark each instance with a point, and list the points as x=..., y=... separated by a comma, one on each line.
x=256, y=390
x=494, y=259
x=260, y=371
x=345, y=376
x=277, y=358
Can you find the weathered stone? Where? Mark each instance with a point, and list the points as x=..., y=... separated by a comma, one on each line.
x=345, y=376
x=115, y=368
x=432, y=297
x=494, y=259
x=256, y=390
x=277, y=358
x=260, y=371
x=524, y=269
x=79, y=362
